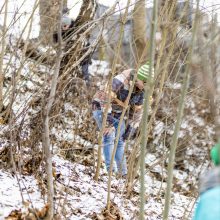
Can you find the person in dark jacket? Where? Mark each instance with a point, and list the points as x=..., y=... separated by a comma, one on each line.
x=85, y=64
x=208, y=204
x=67, y=25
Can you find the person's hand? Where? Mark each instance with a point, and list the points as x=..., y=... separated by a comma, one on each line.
x=138, y=108
x=119, y=102
x=108, y=130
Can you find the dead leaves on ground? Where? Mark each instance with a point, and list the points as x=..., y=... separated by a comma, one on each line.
x=112, y=214
x=30, y=214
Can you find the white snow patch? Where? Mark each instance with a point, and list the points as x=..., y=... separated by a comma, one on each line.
x=10, y=193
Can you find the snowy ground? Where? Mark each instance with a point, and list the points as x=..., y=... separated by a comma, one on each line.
x=78, y=196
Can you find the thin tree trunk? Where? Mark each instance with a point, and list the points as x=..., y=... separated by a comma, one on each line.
x=161, y=67
x=65, y=4
x=49, y=10
x=2, y=52
x=174, y=140
x=46, y=134
x=123, y=112
x=214, y=62
x=140, y=31
x=99, y=159
x=23, y=58
x=144, y=127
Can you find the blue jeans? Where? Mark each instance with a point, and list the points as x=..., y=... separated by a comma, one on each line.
x=108, y=143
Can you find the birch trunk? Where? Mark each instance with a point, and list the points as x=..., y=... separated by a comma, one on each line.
x=174, y=140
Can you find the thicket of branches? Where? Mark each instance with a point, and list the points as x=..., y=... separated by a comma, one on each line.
x=185, y=54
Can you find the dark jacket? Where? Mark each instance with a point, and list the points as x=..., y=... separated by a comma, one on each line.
x=65, y=33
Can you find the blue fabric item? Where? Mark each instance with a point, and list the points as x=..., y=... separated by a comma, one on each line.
x=108, y=143
x=208, y=207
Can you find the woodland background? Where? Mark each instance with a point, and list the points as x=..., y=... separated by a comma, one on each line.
x=49, y=144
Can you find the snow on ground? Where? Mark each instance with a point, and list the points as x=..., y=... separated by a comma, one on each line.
x=11, y=190
x=78, y=196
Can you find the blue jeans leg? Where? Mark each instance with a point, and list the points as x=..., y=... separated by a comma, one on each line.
x=119, y=155
x=108, y=144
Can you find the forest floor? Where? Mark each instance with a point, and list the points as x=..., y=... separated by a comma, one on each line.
x=77, y=195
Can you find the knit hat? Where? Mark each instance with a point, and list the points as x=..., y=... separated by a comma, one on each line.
x=66, y=21
x=215, y=154
x=144, y=72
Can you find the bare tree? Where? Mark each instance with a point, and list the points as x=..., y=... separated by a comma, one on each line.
x=144, y=127
x=46, y=131
x=2, y=51
x=65, y=4
x=49, y=11
x=140, y=31
x=174, y=140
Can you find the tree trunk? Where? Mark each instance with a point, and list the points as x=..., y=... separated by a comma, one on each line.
x=49, y=11
x=117, y=49
x=140, y=31
x=2, y=51
x=73, y=54
x=76, y=50
x=46, y=134
x=65, y=5
x=144, y=127
x=174, y=140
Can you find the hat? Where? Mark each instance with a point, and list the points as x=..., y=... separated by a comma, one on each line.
x=215, y=154
x=66, y=21
x=144, y=72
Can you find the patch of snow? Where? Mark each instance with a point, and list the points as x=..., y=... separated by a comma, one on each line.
x=159, y=128
x=10, y=193
x=99, y=67
x=199, y=121
x=173, y=85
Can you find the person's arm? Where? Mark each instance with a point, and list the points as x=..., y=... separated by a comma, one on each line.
x=139, y=105
x=117, y=101
x=117, y=84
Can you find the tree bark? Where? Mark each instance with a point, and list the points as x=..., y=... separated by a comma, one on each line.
x=144, y=127
x=2, y=51
x=140, y=31
x=49, y=12
x=174, y=140
x=76, y=50
x=46, y=134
